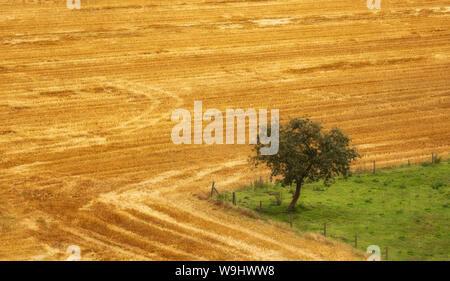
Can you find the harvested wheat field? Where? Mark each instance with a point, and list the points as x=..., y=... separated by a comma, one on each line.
x=86, y=97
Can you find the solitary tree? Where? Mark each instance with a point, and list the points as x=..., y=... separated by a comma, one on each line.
x=307, y=153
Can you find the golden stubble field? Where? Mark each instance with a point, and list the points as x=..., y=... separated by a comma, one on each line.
x=86, y=98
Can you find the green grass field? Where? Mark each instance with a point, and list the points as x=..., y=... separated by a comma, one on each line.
x=405, y=208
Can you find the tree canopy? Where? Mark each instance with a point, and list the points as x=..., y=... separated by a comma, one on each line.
x=307, y=152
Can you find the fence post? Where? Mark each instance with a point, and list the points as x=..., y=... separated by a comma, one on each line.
x=374, y=167
x=290, y=219
x=356, y=240
x=260, y=205
x=387, y=253
x=325, y=229
x=234, y=198
x=212, y=189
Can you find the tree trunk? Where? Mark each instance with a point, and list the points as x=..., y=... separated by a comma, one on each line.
x=296, y=195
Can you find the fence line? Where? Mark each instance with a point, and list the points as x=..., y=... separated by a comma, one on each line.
x=290, y=218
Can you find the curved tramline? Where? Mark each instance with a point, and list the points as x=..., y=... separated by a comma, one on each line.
x=87, y=97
